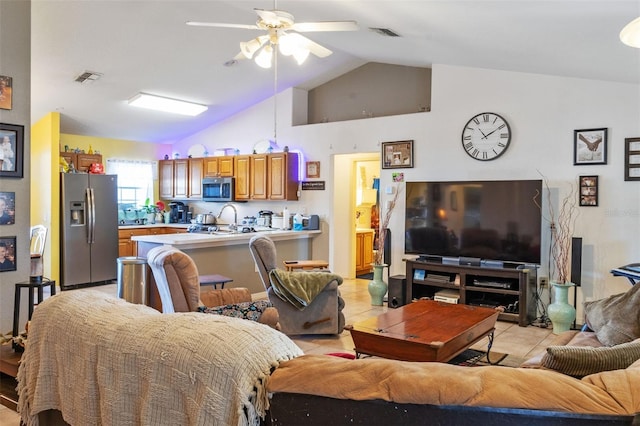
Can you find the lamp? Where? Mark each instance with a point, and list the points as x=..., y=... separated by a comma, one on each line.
x=159, y=103
x=265, y=56
x=630, y=34
x=261, y=49
x=249, y=48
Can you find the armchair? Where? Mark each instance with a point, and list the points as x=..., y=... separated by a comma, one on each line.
x=322, y=316
x=176, y=288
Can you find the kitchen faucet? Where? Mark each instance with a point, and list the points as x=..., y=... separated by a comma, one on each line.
x=234, y=225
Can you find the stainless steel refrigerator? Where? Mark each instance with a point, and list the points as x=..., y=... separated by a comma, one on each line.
x=88, y=229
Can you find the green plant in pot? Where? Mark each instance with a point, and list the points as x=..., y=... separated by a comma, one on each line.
x=562, y=223
x=150, y=211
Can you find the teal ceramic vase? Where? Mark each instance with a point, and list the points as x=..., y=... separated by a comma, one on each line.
x=560, y=312
x=377, y=286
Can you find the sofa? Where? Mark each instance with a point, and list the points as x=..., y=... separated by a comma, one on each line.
x=94, y=359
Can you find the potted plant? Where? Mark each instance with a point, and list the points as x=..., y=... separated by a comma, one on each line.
x=377, y=287
x=562, y=224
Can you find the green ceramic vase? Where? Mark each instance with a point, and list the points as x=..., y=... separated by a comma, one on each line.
x=560, y=312
x=377, y=286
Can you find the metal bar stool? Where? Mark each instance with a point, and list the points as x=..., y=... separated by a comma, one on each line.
x=31, y=286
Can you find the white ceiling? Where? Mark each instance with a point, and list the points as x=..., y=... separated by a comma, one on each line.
x=146, y=46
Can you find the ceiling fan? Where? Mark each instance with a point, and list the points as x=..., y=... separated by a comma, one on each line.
x=282, y=32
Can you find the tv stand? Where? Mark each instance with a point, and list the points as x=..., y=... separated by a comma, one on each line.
x=511, y=289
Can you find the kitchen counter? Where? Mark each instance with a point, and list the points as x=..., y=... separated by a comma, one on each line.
x=155, y=225
x=228, y=253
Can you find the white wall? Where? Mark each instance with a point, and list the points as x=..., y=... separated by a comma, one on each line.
x=15, y=62
x=543, y=111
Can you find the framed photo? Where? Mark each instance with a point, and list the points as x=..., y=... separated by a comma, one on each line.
x=7, y=208
x=397, y=155
x=313, y=169
x=589, y=146
x=6, y=89
x=632, y=159
x=11, y=150
x=7, y=254
x=588, y=191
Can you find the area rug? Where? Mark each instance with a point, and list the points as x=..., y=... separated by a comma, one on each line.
x=474, y=358
x=368, y=276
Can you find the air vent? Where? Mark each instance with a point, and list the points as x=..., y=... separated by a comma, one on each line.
x=385, y=32
x=88, y=77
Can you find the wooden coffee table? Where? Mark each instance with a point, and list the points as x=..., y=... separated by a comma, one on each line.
x=424, y=330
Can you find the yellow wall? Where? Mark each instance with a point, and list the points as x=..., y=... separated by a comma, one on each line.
x=44, y=184
x=46, y=142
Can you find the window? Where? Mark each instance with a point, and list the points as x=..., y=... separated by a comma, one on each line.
x=135, y=181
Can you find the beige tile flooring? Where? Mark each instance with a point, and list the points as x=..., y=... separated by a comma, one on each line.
x=522, y=342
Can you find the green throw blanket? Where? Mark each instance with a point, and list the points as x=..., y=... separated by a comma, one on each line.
x=300, y=288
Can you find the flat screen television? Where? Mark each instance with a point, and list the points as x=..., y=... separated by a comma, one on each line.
x=486, y=220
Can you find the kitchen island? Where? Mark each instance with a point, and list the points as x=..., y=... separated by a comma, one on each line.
x=227, y=253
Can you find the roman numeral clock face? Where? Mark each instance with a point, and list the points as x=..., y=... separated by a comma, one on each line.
x=486, y=136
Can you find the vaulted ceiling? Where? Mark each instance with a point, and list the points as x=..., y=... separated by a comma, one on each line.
x=146, y=46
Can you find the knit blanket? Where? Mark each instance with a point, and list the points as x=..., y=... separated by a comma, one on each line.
x=102, y=361
x=300, y=288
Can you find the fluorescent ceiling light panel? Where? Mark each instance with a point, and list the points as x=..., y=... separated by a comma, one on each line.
x=159, y=103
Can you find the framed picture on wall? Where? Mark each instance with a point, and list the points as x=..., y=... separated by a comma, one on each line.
x=7, y=254
x=6, y=92
x=589, y=146
x=11, y=149
x=313, y=169
x=7, y=208
x=397, y=155
x=632, y=159
x=588, y=196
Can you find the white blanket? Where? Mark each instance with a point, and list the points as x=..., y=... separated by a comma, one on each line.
x=102, y=361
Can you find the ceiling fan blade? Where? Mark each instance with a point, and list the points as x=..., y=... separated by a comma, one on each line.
x=269, y=17
x=315, y=48
x=222, y=25
x=305, y=27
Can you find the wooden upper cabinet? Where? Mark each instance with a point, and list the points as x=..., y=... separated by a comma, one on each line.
x=165, y=179
x=218, y=166
x=258, y=177
x=180, y=179
x=283, y=176
x=81, y=162
x=242, y=166
x=196, y=170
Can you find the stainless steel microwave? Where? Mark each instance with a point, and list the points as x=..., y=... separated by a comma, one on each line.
x=220, y=189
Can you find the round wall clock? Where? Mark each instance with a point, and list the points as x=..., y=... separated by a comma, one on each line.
x=486, y=136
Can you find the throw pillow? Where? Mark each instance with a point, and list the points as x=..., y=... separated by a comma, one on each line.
x=615, y=319
x=579, y=361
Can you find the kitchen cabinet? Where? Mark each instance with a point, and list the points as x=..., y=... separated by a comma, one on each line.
x=180, y=179
x=127, y=247
x=81, y=162
x=258, y=171
x=218, y=166
x=283, y=176
x=242, y=166
x=364, y=250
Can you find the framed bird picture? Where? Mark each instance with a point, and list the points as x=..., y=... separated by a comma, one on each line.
x=589, y=146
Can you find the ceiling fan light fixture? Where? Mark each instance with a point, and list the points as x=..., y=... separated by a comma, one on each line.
x=160, y=103
x=301, y=55
x=630, y=34
x=265, y=57
x=249, y=48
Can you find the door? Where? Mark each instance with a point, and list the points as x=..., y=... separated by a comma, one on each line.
x=242, y=166
x=195, y=178
x=258, y=176
x=166, y=179
x=180, y=179
x=104, y=249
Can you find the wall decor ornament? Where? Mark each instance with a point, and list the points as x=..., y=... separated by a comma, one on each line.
x=6, y=92
x=397, y=155
x=313, y=169
x=11, y=150
x=588, y=191
x=8, y=254
x=589, y=146
x=632, y=159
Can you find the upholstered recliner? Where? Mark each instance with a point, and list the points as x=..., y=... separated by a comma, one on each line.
x=323, y=315
x=175, y=288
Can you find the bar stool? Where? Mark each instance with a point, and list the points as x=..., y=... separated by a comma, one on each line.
x=214, y=280
x=34, y=284
x=291, y=265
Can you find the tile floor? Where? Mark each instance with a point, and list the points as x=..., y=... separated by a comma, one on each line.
x=523, y=342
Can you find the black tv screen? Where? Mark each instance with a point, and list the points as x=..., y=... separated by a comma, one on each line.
x=489, y=220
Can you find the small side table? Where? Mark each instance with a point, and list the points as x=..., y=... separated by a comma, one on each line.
x=214, y=280
x=31, y=286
